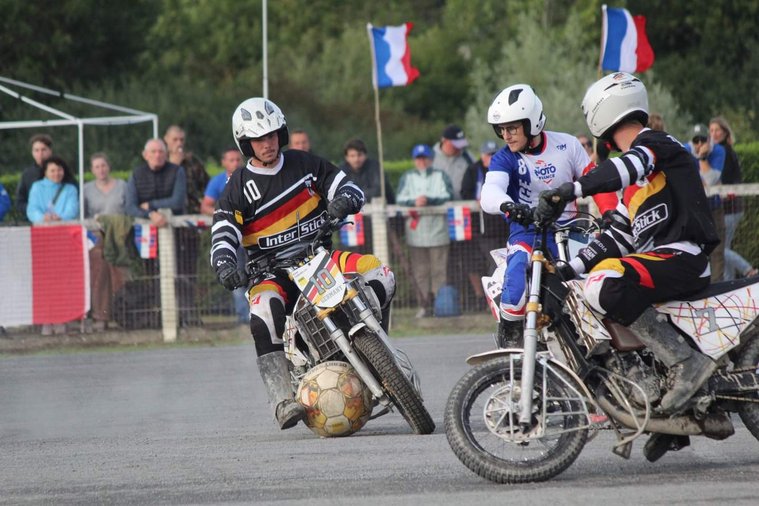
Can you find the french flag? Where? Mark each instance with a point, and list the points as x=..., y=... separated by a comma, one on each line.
x=460, y=223
x=353, y=234
x=392, y=56
x=625, y=46
x=44, y=274
x=146, y=240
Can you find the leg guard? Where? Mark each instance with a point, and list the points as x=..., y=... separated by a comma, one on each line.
x=275, y=373
x=510, y=334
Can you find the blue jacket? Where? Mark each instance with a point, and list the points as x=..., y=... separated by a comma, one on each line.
x=5, y=202
x=41, y=198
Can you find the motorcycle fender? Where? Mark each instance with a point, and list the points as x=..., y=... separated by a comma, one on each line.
x=356, y=328
x=504, y=352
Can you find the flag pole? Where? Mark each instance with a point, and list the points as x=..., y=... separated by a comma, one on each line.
x=377, y=112
x=600, y=62
x=378, y=216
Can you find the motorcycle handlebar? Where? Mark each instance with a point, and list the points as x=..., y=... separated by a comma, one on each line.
x=260, y=267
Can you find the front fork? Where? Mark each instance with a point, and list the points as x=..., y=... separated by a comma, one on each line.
x=530, y=342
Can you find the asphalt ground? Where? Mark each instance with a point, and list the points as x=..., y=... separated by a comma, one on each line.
x=190, y=425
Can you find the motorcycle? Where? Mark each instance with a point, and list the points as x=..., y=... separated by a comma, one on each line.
x=337, y=316
x=523, y=415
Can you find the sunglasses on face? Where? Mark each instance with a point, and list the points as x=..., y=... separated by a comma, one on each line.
x=510, y=129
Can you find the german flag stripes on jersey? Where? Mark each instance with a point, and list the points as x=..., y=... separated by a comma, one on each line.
x=663, y=198
x=268, y=209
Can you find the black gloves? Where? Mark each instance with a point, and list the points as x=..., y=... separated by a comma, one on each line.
x=551, y=203
x=340, y=207
x=520, y=213
x=565, y=271
x=230, y=277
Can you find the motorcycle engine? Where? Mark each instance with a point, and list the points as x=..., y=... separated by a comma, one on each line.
x=631, y=365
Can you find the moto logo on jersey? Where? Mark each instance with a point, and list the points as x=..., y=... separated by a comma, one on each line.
x=303, y=229
x=561, y=147
x=656, y=214
x=545, y=171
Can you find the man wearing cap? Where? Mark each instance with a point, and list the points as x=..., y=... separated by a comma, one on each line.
x=711, y=160
x=493, y=229
x=452, y=157
x=426, y=234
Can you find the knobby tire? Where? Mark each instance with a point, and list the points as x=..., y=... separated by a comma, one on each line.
x=396, y=384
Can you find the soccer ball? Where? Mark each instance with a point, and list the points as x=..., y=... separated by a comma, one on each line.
x=336, y=400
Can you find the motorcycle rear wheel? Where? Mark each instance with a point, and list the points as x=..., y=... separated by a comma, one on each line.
x=749, y=411
x=481, y=423
x=396, y=384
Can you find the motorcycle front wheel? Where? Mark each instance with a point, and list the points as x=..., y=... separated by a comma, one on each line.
x=482, y=423
x=398, y=387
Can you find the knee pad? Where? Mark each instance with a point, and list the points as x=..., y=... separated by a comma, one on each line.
x=382, y=280
x=267, y=321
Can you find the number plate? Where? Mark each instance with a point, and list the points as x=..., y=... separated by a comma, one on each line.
x=321, y=281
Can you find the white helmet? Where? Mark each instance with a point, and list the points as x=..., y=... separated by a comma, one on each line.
x=255, y=118
x=515, y=103
x=612, y=99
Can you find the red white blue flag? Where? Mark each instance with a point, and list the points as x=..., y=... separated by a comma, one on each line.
x=392, y=56
x=45, y=274
x=624, y=44
x=460, y=223
x=353, y=234
x=146, y=240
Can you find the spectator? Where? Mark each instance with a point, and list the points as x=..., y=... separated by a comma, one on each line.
x=105, y=194
x=711, y=161
x=299, y=140
x=159, y=184
x=5, y=202
x=494, y=229
x=52, y=198
x=452, y=158
x=587, y=144
x=427, y=235
x=656, y=122
x=42, y=149
x=195, y=171
x=231, y=160
x=721, y=134
x=187, y=238
x=103, y=197
x=364, y=171
x=155, y=185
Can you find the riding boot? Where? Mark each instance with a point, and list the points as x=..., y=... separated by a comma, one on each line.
x=510, y=334
x=275, y=371
x=688, y=369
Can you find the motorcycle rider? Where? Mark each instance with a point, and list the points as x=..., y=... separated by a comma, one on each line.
x=662, y=233
x=534, y=160
x=279, y=198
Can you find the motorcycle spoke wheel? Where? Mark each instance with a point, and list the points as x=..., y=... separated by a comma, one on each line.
x=482, y=424
x=394, y=381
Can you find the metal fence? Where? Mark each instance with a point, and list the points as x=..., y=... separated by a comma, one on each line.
x=178, y=288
